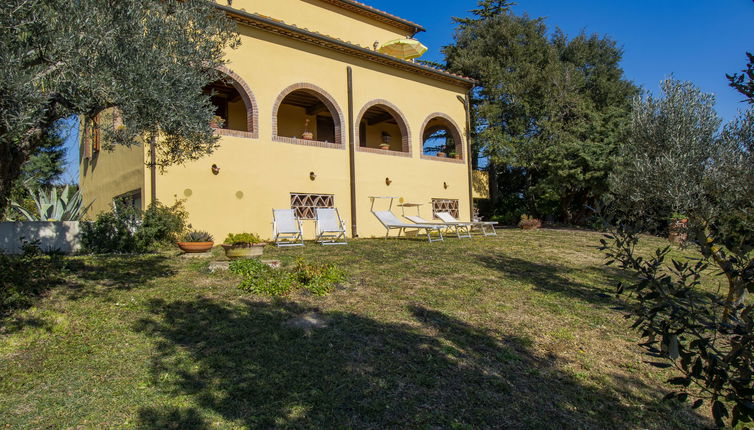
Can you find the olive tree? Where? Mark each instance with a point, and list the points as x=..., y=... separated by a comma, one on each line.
x=678, y=157
x=149, y=59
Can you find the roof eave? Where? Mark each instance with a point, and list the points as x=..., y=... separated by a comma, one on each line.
x=381, y=15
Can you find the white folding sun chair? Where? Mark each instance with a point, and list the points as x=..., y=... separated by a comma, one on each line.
x=330, y=229
x=286, y=228
x=449, y=219
x=461, y=230
x=391, y=222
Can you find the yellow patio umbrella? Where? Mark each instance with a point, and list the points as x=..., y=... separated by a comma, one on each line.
x=406, y=49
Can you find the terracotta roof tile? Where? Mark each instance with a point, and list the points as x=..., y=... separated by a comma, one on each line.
x=382, y=12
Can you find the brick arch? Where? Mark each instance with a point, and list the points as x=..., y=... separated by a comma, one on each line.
x=402, y=125
x=454, y=129
x=327, y=100
x=252, y=109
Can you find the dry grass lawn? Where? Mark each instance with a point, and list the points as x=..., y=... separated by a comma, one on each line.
x=517, y=331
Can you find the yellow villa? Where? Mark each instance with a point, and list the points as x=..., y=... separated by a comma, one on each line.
x=312, y=114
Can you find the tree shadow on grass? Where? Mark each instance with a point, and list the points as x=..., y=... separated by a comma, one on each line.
x=560, y=279
x=76, y=278
x=245, y=363
x=115, y=272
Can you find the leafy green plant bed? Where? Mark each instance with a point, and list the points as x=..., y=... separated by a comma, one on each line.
x=260, y=278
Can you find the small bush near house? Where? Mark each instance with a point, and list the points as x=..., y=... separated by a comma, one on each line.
x=27, y=276
x=529, y=223
x=161, y=225
x=259, y=278
x=126, y=230
x=110, y=233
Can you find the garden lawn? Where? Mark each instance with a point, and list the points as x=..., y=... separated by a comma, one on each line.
x=515, y=331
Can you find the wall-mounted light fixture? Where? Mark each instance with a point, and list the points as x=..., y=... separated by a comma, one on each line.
x=215, y=170
x=388, y=181
x=386, y=137
x=312, y=176
x=445, y=185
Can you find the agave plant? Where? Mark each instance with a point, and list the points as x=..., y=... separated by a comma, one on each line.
x=53, y=206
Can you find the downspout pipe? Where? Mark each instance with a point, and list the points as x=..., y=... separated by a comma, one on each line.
x=352, y=152
x=467, y=106
x=153, y=169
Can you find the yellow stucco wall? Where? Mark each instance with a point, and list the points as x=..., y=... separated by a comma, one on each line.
x=481, y=184
x=108, y=174
x=258, y=174
x=324, y=18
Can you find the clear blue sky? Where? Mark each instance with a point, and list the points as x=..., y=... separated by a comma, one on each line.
x=696, y=40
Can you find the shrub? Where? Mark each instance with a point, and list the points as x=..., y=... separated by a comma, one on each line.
x=161, y=225
x=110, y=233
x=127, y=230
x=259, y=278
x=242, y=239
x=529, y=223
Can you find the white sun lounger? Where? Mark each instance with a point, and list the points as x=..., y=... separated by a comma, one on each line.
x=391, y=222
x=461, y=230
x=330, y=229
x=447, y=218
x=286, y=228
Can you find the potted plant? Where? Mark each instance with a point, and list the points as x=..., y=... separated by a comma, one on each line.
x=453, y=154
x=243, y=245
x=216, y=122
x=195, y=242
x=384, y=146
x=529, y=223
x=678, y=230
x=441, y=154
x=307, y=135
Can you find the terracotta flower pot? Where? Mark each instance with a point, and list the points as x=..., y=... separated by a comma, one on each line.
x=457, y=156
x=244, y=251
x=441, y=154
x=195, y=247
x=307, y=135
x=384, y=146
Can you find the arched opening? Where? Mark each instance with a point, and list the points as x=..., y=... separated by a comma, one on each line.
x=383, y=127
x=234, y=109
x=308, y=115
x=441, y=138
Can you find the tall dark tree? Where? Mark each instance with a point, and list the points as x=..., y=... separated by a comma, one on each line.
x=508, y=55
x=587, y=107
x=551, y=111
x=744, y=82
x=148, y=58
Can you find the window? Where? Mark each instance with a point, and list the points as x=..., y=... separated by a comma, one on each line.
x=441, y=138
x=304, y=204
x=232, y=103
x=306, y=115
x=131, y=199
x=382, y=127
x=445, y=205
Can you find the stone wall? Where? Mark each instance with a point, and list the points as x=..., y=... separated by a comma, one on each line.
x=53, y=236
